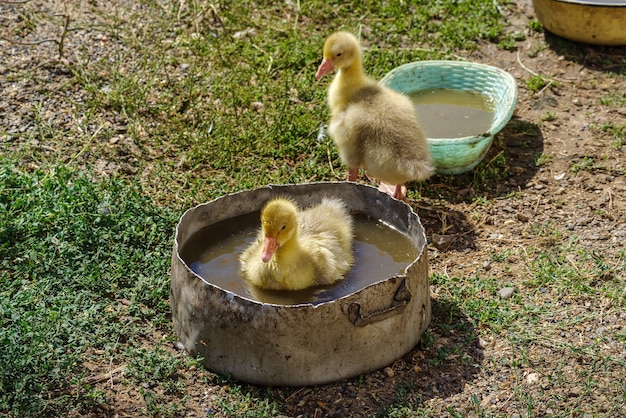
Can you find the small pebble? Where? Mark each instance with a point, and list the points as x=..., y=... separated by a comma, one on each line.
x=244, y=33
x=532, y=378
x=442, y=242
x=506, y=292
x=574, y=392
x=257, y=106
x=389, y=372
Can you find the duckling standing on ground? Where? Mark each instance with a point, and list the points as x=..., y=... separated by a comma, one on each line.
x=296, y=249
x=373, y=126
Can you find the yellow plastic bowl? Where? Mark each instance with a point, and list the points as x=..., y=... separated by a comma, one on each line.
x=600, y=22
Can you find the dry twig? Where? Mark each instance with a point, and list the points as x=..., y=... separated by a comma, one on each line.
x=59, y=42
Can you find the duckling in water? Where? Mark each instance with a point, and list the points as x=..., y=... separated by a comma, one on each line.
x=296, y=249
x=374, y=127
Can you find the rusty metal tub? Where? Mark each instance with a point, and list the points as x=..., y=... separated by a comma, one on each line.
x=301, y=344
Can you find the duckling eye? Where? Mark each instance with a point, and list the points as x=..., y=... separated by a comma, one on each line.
x=338, y=54
x=284, y=226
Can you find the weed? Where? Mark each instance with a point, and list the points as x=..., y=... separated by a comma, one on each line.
x=542, y=159
x=453, y=412
x=508, y=43
x=28, y=24
x=586, y=163
x=614, y=99
x=481, y=200
x=475, y=297
x=537, y=48
x=501, y=256
x=548, y=116
x=243, y=404
x=617, y=132
x=405, y=403
x=490, y=172
x=535, y=25
x=156, y=407
x=151, y=365
x=538, y=82
x=427, y=339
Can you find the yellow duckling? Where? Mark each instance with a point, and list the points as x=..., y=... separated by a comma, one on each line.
x=374, y=127
x=296, y=249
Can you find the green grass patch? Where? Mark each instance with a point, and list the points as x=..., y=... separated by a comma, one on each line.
x=240, y=403
x=477, y=298
x=84, y=266
x=538, y=83
x=617, y=131
x=222, y=97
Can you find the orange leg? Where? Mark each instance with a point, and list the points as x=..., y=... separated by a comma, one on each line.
x=398, y=191
x=353, y=174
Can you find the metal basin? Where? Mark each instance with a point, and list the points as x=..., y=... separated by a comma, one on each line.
x=305, y=343
x=601, y=22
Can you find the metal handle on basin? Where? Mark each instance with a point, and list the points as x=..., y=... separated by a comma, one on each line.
x=400, y=299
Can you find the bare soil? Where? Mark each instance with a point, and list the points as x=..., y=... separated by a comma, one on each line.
x=567, y=175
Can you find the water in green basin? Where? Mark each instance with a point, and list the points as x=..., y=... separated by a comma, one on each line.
x=213, y=253
x=446, y=113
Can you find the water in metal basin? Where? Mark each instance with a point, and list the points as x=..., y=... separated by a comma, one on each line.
x=213, y=253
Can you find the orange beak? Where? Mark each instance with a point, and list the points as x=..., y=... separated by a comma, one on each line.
x=269, y=248
x=325, y=67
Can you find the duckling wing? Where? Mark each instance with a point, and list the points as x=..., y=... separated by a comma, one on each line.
x=327, y=235
x=380, y=132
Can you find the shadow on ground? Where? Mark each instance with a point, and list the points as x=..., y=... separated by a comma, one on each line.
x=508, y=167
x=595, y=57
x=447, y=357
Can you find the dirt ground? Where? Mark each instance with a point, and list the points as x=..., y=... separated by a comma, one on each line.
x=590, y=203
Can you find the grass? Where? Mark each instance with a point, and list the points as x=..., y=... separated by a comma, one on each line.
x=84, y=275
x=193, y=100
x=538, y=83
x=617, y=132
x=242, y=404
x=187, y=83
